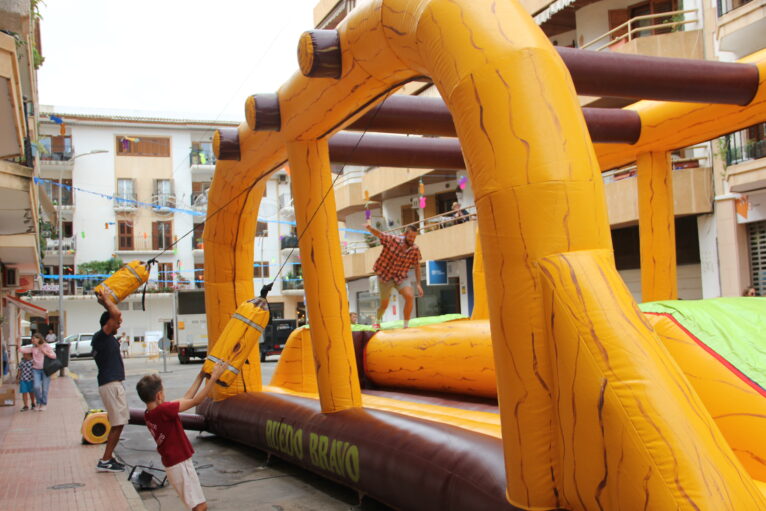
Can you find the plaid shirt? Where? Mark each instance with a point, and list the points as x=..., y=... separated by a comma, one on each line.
x=396, y=259
x=25, y=370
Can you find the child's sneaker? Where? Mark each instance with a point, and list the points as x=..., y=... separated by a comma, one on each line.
x=110, y=466
x=24, y=408
x=33, y=408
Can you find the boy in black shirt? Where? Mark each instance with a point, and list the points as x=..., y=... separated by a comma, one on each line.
x=111, y=373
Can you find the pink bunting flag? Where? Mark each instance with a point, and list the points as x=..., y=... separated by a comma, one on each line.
x=462, y=182
x=422, y=203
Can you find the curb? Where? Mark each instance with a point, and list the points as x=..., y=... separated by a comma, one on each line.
x=132, y=497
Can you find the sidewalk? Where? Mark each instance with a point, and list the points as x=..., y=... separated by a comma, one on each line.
x=44, y=465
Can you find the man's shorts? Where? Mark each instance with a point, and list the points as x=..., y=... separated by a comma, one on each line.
x=116, y=404
x=184, y=479
x=386, y=286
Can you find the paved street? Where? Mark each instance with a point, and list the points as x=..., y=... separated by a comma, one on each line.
x=233, y=476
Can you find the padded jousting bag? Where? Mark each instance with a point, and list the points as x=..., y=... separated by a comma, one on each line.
x=237, y=342
x=124, y=281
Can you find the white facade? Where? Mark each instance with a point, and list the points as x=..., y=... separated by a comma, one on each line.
x=94, y=163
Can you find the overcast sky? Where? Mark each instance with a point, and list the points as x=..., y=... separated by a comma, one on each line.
x=190, y=58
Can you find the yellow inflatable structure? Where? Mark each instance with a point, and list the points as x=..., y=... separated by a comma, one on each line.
x=594, y=412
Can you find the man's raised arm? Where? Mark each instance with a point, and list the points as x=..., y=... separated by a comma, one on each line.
x=110, y=306
x=374, y=231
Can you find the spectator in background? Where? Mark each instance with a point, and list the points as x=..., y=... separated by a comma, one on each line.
x=39, y=350
x=354, y=317
x=125, y=345
x=749, y=291
x=51, y=337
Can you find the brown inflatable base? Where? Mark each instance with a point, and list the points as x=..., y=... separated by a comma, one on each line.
x=404, y=462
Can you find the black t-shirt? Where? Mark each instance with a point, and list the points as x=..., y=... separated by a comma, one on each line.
x=106, y=353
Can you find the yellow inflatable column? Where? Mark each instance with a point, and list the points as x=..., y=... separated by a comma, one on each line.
x=656, y=227
x=323, y=277
x=480, y=307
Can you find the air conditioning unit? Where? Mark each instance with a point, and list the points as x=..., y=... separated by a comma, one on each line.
x=10, y=278
x=374, y=288
x=282, y=178
x=415, y=202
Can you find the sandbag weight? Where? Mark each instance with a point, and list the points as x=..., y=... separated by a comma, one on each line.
x=124, y=281
x=95, y=427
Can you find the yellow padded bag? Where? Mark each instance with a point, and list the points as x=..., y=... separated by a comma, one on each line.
x=124, y=281
x=238, y=339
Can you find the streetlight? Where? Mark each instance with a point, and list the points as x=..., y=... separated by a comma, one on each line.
x=61, y=248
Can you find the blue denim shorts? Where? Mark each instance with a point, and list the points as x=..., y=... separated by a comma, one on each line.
x=26, y=386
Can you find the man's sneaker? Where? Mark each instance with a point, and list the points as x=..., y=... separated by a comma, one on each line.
x=110, y=466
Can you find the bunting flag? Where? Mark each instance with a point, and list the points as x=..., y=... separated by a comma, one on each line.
x=462, y=182
x=56, y=119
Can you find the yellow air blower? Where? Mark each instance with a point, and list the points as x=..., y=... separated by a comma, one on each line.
x=124, y=281
x=95, y=427
x=238, y=340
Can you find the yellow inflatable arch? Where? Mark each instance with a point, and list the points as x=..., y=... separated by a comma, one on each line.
x=594, y=412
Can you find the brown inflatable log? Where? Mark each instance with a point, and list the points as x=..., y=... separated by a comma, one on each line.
x=190, y=421
x=262, y=112
x=319, y=54
x=430, y=116
x=226, y=144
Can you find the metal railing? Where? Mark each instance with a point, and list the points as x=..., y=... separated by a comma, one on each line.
x=668, y=21
x=57, y=155
x=200, y=157
x=739, y=147
x=125, y=201
x=292, y=283
x=162, y=201
x=199, y=201
x=52, y=244
x=142, y=244
x=725, y=6
x=288, y=242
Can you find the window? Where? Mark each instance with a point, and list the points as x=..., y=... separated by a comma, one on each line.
x=143, y=146
x=125, y=189
x=57, y=148
x=162, y=233
x=124, y=235
x=199, y=193
x=197, y=242
x=757, y=239
x=202, y=153
x=66, y=229
x=165, y=274
x=163, y=193
x=261, y=269
x=262, y=230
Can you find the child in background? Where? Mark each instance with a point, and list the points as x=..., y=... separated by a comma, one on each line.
x=165, y=426
x=26, y=381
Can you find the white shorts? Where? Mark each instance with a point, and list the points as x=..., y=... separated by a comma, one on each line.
x=184, y=479
x=116, y=404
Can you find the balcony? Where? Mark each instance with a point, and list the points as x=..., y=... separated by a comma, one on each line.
x=68, y=245
x=741, y=25
x=666, y=34
x=199, y=201
x=744, y=153
x=292, y=285
x=140, y=245
x=286, y=209
x=202, y=163
x=125, y=202
x=163, y=203
x=57, y=161
x=288, y=242
x=692, y=194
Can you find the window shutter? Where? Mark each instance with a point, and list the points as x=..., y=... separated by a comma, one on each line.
x=155, y=235
x=757, y=235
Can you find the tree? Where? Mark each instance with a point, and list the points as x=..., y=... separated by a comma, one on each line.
x=106, y=267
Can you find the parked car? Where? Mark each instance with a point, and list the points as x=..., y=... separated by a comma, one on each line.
x=79, y=345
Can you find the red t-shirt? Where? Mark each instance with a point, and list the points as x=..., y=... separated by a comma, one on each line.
x=165, y=426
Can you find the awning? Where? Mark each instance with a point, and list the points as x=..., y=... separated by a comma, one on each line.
x=552, y=9
x=26, y=306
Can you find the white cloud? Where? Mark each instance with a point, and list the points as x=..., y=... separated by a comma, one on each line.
x=190, y=57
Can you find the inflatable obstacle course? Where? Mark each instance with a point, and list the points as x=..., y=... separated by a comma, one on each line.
x=593, y=410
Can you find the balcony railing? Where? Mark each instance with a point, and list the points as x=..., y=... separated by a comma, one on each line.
x=164, y=201
x=725, y=6
x=288, y=242
x=199, y=201
x=200, y=157
x=57, y=155
x=291, y=284
x=140, y=244
x=125, y=201
x=660, y=22
x=52, y=244
x=739, y=147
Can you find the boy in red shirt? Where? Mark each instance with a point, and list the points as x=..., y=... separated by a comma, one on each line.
x=165, y=426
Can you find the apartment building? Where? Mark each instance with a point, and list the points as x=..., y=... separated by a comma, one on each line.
x=135, y=187
x=719, y=186
x=20, y=56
